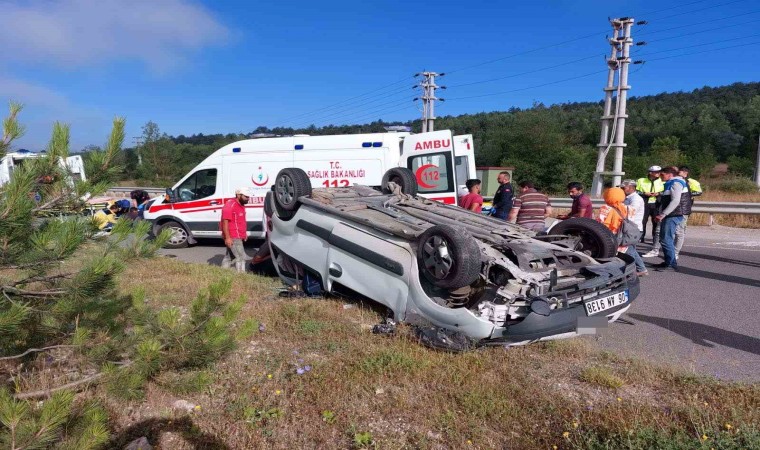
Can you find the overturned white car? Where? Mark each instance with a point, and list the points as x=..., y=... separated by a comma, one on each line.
x=462, y=278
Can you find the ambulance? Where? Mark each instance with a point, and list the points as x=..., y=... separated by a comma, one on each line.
x=13, y=161
x=192, y=208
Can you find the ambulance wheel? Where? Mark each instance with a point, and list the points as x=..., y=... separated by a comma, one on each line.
x=179, y=236
x=290, y=184
x=402, y=177
x=448, y=257
x=597, y=241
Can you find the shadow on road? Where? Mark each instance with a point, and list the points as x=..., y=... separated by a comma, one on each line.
x=155, y=427
x=704, y=335
x=721, y=259
x=719, y=276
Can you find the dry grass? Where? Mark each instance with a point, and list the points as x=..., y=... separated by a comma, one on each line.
x=366, y=390
x=729, y=220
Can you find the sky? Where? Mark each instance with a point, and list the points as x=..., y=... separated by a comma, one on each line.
x=230, y=66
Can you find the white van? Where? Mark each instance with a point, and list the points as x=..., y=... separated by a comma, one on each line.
x=441, y=162
x=12, y=161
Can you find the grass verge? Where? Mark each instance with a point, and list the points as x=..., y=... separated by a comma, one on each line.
x=314, y=376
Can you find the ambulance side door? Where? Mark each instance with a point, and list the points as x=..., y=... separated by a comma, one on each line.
x=199, y=201
x=430, y=156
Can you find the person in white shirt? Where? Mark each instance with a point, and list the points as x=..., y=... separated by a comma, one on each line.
x=636, y=210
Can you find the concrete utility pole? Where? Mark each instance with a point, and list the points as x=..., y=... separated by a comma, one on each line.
x=757, y=163
x=428, y=99
x=137, y=141
x=613, y=123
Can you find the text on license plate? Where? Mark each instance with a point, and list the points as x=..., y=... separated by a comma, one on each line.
x=602, y=304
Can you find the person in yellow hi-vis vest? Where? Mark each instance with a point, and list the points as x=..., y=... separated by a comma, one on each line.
x=696, y=190
x=651, y=187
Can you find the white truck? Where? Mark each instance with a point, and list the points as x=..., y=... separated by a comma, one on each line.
x=440, y=162
x=12, y=161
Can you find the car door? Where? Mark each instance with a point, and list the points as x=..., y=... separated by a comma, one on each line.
x=369, y=265
x=198, y=201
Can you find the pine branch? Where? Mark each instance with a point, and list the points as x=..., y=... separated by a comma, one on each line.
x=42, y=393
x=36, y=294
x=34, y=350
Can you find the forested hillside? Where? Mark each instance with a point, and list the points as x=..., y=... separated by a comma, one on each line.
x=549, y=144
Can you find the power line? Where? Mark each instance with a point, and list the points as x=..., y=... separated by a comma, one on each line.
x=524, y=73
x=698, y=45
x=343, y=111
x=388, y=110
x=596, y=72
x=526, y=52
x=647, y=32
x=701, y=9
x=704, y=31
x=704, y=51
x=377, y=108
x=360, y=105
x=649, y=13
x=403, y=80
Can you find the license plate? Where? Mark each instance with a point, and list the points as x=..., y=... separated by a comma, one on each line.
x=602, y=304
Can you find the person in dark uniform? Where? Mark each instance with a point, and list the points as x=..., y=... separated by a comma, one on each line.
x=502, y=200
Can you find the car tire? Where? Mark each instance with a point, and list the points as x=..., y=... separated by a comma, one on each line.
x=268, y=204
x=458, y=265
x=597, y=240
x=180, y=235
x=289, y=186
x=401, y=176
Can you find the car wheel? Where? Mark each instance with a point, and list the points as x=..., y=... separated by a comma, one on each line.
x=596, y=241
x=268, y=204
x=402, y=177
x=179, y=236
x=290, y=184
x=448, y=257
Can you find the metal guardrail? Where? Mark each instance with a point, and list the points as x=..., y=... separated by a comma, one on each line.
x=698, y=207
x=127, y=190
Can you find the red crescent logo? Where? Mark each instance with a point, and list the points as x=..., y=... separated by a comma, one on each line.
x=266, y=180
x=419, y=173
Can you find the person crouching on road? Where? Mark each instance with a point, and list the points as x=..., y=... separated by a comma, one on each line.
x=636, y=204
x=235, y=229
x=695, y=189
x=472, y=201
x=582, y=206
x=676, y=204
x=105, y=219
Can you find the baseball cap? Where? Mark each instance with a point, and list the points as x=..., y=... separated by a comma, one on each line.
x=628, y=183
x=655, y=169
x=243, y=190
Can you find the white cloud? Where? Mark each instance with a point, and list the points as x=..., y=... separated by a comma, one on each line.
x=76, y=33
x=31, y=94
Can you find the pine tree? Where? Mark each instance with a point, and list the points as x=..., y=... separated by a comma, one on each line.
x=62, y=314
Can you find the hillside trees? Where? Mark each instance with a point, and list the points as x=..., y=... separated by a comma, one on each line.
x=555, y=144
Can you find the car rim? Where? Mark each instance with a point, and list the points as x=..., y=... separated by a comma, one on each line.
x=437, y=258
x=286, y=192
x=178, y=235
x=588, y=243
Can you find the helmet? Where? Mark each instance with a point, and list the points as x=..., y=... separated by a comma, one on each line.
x=655, y=169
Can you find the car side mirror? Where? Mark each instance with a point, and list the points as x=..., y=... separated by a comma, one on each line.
x=169, y=196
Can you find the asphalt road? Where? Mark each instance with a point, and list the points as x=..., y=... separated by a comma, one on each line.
x=705, y=319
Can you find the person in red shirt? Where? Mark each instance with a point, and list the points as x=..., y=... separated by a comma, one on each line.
x=472, y=201
x=235, y=229
x=582, y=206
